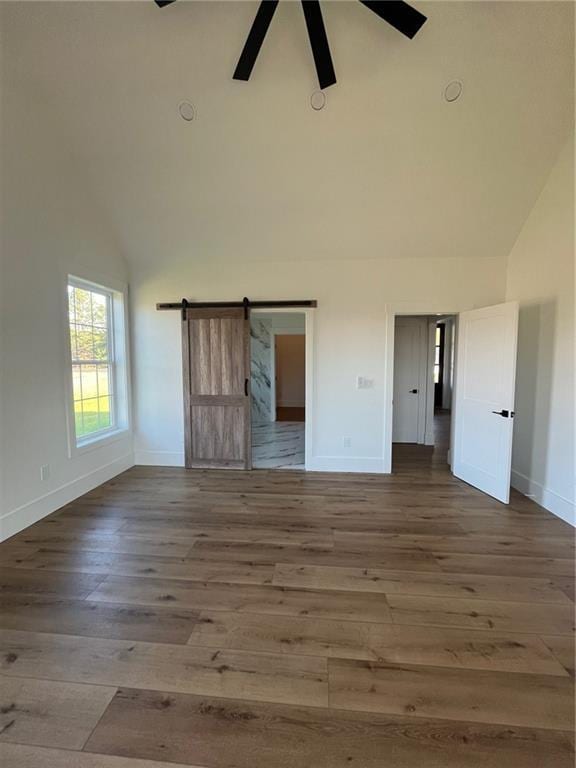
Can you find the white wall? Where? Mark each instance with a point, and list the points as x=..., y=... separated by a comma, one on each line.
x=389, y=196
x=541, y=276
x=51, y=225
x=350, y=328
x=290, y=370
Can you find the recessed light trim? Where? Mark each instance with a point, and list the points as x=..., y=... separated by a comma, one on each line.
x=187, y=111
x=318, y=100
x=453, y=91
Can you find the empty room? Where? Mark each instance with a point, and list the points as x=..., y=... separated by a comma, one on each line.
x=287, y=393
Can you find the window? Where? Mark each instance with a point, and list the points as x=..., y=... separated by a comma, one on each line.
x=437, y=351
x=98, y=393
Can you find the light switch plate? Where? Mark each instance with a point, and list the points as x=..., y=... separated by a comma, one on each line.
x=363, y=383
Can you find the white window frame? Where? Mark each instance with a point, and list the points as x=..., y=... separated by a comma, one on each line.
x=118, y=361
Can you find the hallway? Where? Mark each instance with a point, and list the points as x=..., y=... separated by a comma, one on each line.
x=407, y=457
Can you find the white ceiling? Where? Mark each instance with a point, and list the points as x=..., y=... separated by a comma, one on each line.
x=387, y=170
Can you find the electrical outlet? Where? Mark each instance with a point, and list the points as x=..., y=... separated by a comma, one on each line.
x=347, y=442
x=44, y=471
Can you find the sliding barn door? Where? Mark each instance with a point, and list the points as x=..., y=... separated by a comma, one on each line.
x=216, y=365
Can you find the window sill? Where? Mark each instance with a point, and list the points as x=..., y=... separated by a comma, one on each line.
x=99, y=441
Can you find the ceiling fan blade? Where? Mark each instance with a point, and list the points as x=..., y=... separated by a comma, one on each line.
x=319, y=42
x=255, y=39
x=163, y=3
x=400, y=15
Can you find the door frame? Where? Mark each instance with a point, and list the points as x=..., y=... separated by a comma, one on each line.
x=415, y=308
x=309, y=393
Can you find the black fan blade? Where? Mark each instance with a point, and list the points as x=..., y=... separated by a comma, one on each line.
x=163, y=3
x=254, y=40
x=400, y=15
x=319, y=42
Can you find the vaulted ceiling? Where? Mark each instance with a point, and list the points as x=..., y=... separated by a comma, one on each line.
x=388, y=169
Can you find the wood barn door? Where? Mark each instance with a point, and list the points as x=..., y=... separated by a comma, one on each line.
x=216, y=367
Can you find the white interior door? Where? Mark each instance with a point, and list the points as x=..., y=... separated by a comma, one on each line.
x=484, y=398
x=410, y=356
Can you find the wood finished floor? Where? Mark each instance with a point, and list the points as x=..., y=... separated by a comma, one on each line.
x=289, y=620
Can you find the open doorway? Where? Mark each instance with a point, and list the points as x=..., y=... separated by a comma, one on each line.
x=422, y=386
x=278, y=389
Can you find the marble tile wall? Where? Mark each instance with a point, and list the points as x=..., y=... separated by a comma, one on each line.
x=260, y=364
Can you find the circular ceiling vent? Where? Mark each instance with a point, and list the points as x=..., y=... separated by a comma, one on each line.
x=453, y=90
x=187, y=111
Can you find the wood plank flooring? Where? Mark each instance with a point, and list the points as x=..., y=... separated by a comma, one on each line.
x=289, y=620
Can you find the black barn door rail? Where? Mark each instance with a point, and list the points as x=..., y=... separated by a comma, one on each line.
x=246, y=303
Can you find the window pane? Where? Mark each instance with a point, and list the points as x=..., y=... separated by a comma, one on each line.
x=71, y=304
x=100, y=339
x=89, y=382
x=73, y=347
x=436, y=374
x=90, y=415
x=437, y=335
x=103, y=381
x=104, y=413
x=83, y=306
x=78, y=419
x=92, y=370
x=84, y=338
x=76, y=383
x=99, y=310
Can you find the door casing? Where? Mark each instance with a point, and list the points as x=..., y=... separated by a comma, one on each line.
x=309, y=397
x=430, y=308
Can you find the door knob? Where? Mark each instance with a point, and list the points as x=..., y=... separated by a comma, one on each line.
x=413, y=391
x=503, y=413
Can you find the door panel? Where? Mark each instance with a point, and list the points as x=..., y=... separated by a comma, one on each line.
x=216, y=387
x=409, y=357
x=218, y=432
x=484, y=398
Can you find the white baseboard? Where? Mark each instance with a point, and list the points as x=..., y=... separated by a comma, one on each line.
x=550, y=500
x=22, y=517
x=370, y=465
x=159, y=458
x=317, y=464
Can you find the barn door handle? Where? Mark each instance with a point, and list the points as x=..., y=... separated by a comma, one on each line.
x=503, y=413
x=246, y=387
